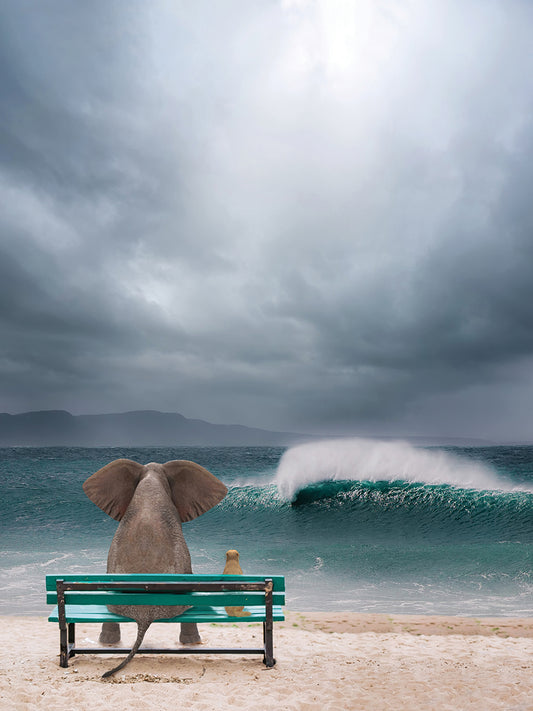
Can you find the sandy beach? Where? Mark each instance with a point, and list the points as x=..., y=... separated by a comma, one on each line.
x=330, y=661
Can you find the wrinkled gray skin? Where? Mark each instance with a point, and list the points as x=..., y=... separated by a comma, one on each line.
x=151, y=502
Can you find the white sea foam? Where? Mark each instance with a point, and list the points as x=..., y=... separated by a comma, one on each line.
x=376, y=460
x=56, y=559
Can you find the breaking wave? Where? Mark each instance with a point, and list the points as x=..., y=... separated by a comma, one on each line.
x=365, y=460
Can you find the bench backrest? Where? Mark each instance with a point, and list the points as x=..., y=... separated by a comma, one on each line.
x=138, y=589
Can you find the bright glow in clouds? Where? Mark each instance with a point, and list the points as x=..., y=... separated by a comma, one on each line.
x=347, y=40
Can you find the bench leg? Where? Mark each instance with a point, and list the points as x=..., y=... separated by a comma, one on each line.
x=268, y=658
x=63, y=646
x=71, y=639
x=67, y=639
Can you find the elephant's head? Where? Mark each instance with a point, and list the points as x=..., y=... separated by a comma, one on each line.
x=192, y=488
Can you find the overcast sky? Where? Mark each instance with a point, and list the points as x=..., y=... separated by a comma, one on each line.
x=310, y=215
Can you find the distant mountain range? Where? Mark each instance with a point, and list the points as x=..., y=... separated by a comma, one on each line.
x=142, y=428
x=150, y=428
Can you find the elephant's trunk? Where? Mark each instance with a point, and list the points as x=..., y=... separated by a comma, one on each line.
x=141, y=631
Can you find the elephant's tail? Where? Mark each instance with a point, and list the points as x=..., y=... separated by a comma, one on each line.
x=141, y=631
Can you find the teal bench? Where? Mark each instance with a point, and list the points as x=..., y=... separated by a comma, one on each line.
x=83, y=598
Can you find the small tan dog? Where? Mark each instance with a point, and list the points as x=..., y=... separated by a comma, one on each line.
x=232, y=567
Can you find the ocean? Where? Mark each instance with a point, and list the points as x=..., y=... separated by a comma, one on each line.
x=359, y=525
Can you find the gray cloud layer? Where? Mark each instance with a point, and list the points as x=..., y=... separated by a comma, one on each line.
x=297, y=214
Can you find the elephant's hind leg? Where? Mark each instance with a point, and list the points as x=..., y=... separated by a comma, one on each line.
x=189, y=633
x=110, y=634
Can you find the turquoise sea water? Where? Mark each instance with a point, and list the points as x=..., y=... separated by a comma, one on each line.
x=353, y=525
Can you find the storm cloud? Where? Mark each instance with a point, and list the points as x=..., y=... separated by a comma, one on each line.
x=297, y=214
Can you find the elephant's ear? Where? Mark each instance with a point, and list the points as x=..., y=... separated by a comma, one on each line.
x=194, y=490
x=112, y=487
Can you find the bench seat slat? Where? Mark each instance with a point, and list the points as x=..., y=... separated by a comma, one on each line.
x=147, y=598
x=100, y=613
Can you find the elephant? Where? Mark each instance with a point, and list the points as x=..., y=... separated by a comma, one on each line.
x=151, y=502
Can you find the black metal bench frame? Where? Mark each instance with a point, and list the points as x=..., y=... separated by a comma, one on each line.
x=67, y=630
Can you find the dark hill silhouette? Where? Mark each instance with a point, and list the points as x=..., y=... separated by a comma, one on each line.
x=139, y=428
x=150, y=428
